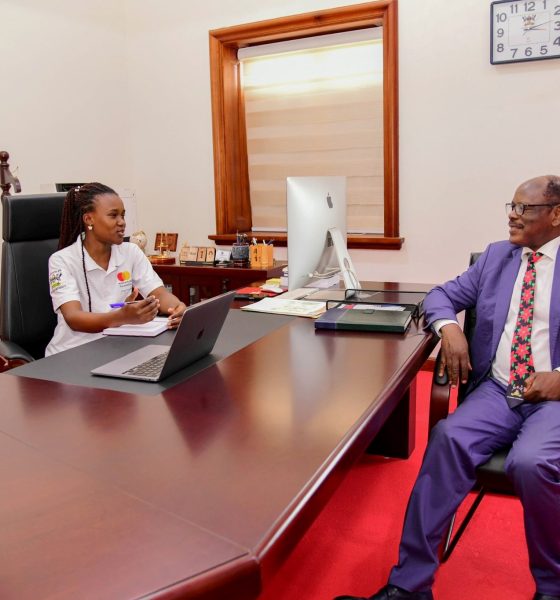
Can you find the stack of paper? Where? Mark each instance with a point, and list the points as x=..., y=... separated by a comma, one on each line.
x=296, y=308
x=150, y=329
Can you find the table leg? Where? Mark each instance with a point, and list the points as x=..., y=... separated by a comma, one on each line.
x=397, y=436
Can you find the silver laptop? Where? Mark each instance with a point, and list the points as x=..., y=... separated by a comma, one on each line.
x=195, y=338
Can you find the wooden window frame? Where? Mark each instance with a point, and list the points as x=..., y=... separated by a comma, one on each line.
x=231, y=173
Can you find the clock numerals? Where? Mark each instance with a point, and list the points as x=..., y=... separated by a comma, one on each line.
x=524, y=30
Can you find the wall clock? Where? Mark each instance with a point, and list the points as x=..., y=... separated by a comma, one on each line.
x=524, y=30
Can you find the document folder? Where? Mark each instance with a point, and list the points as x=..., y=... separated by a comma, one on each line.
x=365, y=319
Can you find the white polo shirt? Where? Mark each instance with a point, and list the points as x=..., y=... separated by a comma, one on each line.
x=128, y=267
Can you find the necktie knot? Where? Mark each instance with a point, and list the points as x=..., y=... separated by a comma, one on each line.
x=534, y=257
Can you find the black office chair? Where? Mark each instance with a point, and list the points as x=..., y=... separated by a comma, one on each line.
x=490, y=477
x=30, y=231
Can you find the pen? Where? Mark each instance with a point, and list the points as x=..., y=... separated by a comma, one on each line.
x=121, y=304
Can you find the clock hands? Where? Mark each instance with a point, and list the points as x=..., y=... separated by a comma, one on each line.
x=525, y=30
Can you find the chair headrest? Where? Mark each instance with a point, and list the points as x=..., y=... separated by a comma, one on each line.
x=31, y=217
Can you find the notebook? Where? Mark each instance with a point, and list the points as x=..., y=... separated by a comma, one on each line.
x=150, y=329
x=279, y=306
x=196, y=335
x=366, y=318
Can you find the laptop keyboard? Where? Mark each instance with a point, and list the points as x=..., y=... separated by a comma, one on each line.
x=149, y=368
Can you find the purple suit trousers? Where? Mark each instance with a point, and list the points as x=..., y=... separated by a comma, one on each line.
x=482, y=424
x=466, y=439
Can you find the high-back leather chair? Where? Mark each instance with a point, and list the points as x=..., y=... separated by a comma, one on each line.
x=491, y=476
x=30, y=232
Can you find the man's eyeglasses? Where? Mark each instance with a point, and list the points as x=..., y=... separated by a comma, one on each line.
x=519, y=208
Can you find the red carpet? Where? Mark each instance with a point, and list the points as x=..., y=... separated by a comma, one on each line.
x=353, y=544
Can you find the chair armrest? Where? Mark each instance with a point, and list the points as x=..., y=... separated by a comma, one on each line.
x=12, y=355
x=440, y=395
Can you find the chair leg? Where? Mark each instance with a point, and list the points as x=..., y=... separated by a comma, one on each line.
x=450, y=544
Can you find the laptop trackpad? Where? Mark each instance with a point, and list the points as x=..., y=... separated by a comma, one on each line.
x=119, y=366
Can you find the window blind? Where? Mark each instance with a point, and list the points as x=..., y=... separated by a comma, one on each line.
x=317, y=111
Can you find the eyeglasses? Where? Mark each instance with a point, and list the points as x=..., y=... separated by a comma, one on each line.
x=519, y=208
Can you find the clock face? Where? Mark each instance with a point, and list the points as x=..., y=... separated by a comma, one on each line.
x=524, y=30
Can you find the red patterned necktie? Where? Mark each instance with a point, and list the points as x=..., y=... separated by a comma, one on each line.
x=521, y=357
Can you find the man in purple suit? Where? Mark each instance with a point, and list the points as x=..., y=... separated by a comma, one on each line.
x=513, y=368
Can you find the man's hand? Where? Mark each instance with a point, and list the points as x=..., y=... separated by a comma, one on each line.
x=542, y=386
x=454, y=354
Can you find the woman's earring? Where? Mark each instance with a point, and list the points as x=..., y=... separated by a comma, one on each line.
x=90, y=227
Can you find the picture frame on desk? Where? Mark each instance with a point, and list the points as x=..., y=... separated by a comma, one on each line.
x=166, y=241
x=223, y=258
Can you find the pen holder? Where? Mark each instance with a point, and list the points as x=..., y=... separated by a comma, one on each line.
x=240, y=254
x=267, y=255
x=255, y=255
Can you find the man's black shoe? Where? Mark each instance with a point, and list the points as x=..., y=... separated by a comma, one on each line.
x=538, y=596
x=392, y=592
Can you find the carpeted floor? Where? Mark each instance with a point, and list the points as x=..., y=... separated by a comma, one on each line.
x=353, y=544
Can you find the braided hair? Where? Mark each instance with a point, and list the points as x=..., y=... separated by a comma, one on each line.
x=78, y=202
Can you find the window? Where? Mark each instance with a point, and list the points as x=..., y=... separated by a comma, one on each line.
x=230, y=121
x=316, y=111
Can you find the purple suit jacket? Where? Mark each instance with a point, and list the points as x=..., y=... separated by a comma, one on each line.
x=487, y=286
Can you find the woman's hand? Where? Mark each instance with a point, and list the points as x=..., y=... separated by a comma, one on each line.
x=175, y=315
x=132, y=296
x=140, y=311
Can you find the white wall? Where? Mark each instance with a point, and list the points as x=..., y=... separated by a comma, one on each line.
x=134, y=109
x=63, y=91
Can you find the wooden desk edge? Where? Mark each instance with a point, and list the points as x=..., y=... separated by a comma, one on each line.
x=238, y=579
x=298, y=517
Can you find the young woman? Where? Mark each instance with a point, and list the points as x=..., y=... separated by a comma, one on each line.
x=94, y=268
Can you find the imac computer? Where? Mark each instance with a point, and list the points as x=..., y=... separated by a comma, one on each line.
x=317, y=232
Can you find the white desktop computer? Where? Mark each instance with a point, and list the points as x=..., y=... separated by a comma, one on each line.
x=317, y=249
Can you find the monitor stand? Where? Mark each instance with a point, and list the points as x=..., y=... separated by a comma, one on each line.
x=351, y=281
x=328, y=287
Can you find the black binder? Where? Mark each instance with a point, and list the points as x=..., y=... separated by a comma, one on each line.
x=348, y=316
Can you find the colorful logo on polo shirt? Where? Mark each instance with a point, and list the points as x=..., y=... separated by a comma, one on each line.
x=55, y=279
x=123, y=276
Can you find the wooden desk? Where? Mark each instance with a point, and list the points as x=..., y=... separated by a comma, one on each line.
x=192, y=283
x=202, y=490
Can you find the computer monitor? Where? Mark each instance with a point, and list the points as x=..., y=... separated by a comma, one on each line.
x=317, y=232
x=66, y=187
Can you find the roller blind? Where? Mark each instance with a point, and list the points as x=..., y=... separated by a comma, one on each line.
x=317, y=111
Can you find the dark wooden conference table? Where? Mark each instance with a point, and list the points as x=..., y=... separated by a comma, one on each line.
x=199, y=490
